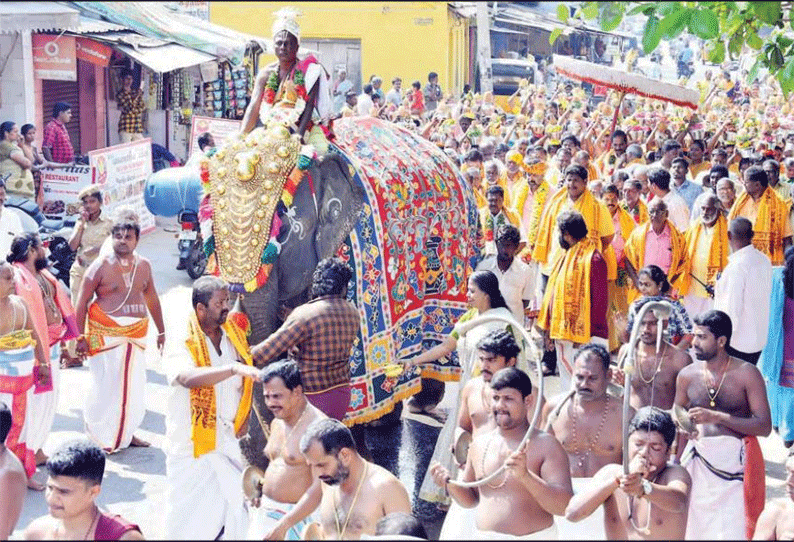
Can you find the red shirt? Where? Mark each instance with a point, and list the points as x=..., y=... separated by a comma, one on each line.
x=417, y=102
x=56, y=137
x=112, y=527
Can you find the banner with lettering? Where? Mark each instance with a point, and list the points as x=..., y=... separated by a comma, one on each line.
x=61, y=186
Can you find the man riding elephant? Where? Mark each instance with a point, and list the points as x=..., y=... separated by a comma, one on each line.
x=292, y=92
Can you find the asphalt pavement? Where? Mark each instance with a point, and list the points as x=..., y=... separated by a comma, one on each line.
x=134, y=484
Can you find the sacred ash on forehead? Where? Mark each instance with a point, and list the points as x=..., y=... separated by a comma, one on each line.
x=287, y=19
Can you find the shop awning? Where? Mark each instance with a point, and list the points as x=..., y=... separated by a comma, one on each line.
x=155, y=20
x=166, y=58
x=37, y=17
x=156, y=54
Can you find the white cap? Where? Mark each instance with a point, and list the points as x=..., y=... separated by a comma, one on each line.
x=287, y=19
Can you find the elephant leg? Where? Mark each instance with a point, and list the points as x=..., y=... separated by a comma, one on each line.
x=253, y=443
x=380, y=441
x=431, y=394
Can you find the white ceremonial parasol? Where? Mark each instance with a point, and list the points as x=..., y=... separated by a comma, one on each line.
x=625, y=83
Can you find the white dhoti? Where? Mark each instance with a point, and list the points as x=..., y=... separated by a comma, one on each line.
x=115, y=405
x=565, y=354
x=590, y=528
x=459, y=524
x=264, y=518
x=44, y=405
x=16, y=391
x=694, y=304
x=716, y=502
x=204, y=496
x=544, y=534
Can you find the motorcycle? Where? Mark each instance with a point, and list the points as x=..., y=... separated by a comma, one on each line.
x=191, y=246
x=54, y=234
x=176, y=191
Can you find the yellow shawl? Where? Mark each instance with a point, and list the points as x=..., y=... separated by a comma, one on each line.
x=594, y=213
x=202, y=400
x=634, y=251
x=538, y=198
x=718, y=253
x=566, y=305
x=627, y=223
x=769, y=224
x=641, y=216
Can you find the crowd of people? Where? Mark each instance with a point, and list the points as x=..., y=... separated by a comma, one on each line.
x=652, y=258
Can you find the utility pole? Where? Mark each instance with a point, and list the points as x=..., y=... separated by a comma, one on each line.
x=484, y=47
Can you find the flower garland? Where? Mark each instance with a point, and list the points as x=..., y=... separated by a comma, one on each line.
x=272, y=86
x=490, y=227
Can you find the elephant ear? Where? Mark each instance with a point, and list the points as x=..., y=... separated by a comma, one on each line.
x=340, y=203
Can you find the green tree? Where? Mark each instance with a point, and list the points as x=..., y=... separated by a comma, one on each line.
x=726, y=27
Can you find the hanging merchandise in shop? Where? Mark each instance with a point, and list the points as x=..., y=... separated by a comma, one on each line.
x=182, y=96
x=227, y=96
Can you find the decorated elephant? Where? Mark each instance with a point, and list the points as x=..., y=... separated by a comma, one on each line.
x=385, y=200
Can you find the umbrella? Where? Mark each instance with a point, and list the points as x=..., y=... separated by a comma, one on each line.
x=625, y=83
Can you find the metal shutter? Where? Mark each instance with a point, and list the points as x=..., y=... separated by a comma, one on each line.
x=63, y=91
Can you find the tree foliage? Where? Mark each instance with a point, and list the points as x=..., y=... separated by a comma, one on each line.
x=727, y=28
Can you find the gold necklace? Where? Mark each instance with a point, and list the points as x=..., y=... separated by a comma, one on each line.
x=352, y=504
x=593, y=442
x=710, y=389
x=482, y=464
x=46, y=293
x=658, y=367
x=647, y=529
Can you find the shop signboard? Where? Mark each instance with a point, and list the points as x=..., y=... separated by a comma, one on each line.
x=219, y=128
x=61, y=186
x=54, y=57
x=121, y=171
x=93, y=52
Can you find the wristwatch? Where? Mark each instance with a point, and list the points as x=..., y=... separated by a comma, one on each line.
x=647, y=487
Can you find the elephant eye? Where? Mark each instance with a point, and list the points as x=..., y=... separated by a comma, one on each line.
x=333, y=209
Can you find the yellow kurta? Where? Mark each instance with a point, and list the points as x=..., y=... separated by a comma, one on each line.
x=770, y=218
x=697, y=169
x=530, y=210
x=707, y=252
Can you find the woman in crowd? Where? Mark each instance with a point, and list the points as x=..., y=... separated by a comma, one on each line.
x=654, y=286
x=15, y=168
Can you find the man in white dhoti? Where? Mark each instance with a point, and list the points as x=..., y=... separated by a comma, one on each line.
x=115, y=338
x=727, y=401
x=288, y=475
x=53, y=317
x=211, y=373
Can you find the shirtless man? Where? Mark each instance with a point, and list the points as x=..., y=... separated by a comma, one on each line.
x=76, y=470
x=13, y=480
x=726, y=398
x=649, y=503
x=288, y=476
x=653, y=382
x=589, y=429
x=536, y=486
x=777, y=520
x=349, y=493
x=116, y=337
x=496, y=351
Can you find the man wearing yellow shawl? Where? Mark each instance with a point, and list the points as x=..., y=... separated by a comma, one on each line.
x=211, y=374
x=707, y=251
x=615, y=157
x=495, y=214
x=574, y=310
x=767, y=212
x=575, y=197
x=632, y=202
x=618, y=289
x=656, y=242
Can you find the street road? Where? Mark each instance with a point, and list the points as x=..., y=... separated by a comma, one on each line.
x=134, y=484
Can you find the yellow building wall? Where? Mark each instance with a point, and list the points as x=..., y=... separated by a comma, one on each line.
x=405, y=39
